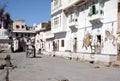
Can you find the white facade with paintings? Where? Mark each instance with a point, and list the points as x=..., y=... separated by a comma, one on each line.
x=86, y=29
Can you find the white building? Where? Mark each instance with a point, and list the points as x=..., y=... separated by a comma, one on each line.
x=4, y=40
x=49, y=37
x=86, y=29
x=5, y=36
x=37, y=38
x=44, y=37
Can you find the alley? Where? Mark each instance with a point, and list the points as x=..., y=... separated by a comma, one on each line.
x=46, y=68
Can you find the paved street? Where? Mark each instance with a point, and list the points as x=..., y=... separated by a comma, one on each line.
x=46, y=68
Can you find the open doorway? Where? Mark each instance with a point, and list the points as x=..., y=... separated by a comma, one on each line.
x=75, y=45
x=118, y=56
x=98, y=47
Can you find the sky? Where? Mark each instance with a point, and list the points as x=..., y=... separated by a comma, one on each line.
x=32, y=11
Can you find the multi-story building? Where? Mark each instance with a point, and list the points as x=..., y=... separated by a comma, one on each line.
x=86, y=29
x=21, y=32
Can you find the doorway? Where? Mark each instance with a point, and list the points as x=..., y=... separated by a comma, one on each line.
x=75, y=45
x=98, y=47
x=118, y=48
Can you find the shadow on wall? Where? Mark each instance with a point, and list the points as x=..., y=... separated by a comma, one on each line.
x=97, y=26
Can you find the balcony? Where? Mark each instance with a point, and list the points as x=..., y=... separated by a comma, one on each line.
x=59, y=29
x=73, y=23
x=96, y=18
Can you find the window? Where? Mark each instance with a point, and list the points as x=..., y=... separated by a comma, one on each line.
x=16, y=34
x=22, y=26
x=56, y=21
x=92, y=10
x=28, y=35
x=71, y=18
x=55, y=2
x=62, y=43
x=21, y=34
x=17, y=26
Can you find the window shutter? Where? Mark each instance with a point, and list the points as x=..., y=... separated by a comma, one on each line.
x=91, y=11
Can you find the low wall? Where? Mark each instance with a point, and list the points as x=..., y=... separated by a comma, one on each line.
x=105, y=58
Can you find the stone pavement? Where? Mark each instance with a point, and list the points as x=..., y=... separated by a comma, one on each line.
x=2, y=75
x=47, y=68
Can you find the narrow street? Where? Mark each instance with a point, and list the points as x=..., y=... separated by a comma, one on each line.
x=46, y=68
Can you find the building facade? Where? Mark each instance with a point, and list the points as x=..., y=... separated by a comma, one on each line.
x=21, y=33
x=86, y=29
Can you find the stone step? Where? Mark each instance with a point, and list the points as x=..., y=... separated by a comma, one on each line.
x=116, y=64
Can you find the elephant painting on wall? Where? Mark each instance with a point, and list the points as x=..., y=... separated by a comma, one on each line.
x=100, y=43
x=92, y=41
x=87, y=40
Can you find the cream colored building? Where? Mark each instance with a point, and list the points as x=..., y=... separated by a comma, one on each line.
x=21, y=33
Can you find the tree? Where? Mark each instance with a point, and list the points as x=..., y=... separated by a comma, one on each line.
x=5, y=17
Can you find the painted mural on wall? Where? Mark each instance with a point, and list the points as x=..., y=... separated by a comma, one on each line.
x=110, y=37
x=92, y=41
x=110, y=42
x=87, y=40
x=98, y=44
